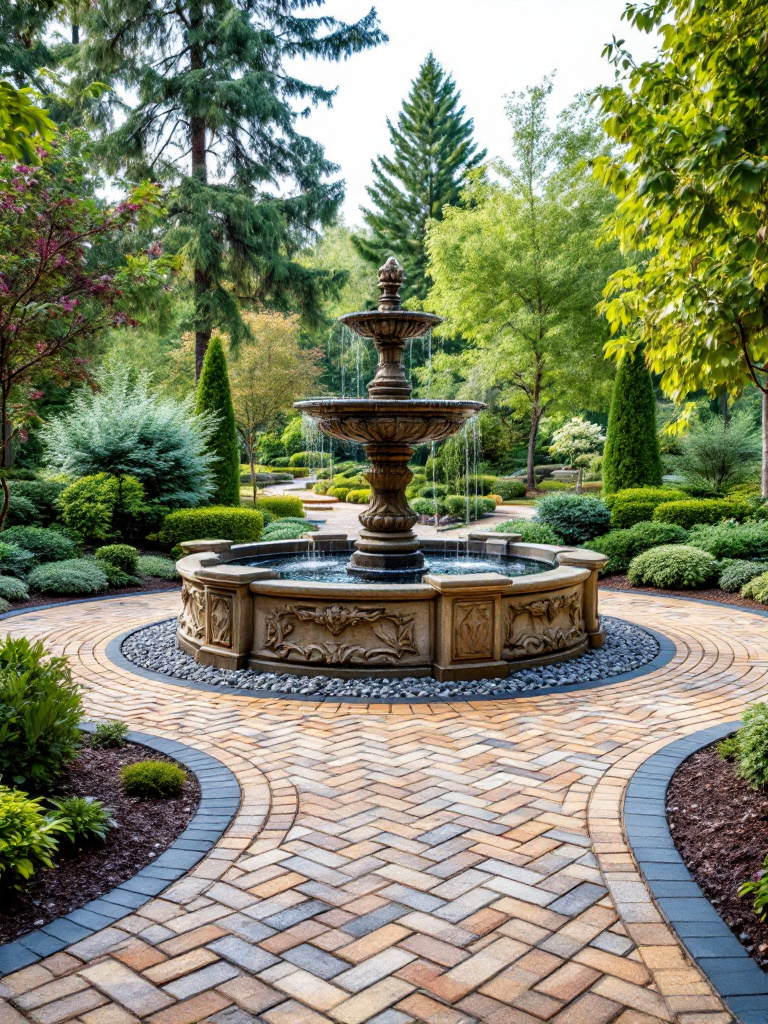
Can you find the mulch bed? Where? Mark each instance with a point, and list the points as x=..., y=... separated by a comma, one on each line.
x=619, y=582
x=146, y=828
x=720, y=828
x=149, y=585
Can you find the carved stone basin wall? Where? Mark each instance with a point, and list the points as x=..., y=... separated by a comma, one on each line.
x=478, y=626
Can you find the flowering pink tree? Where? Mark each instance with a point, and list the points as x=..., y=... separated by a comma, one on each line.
x=58, y=284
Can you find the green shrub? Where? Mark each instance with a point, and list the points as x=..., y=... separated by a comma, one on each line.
x=28, y=838
x=102, y=506
x=214, y=398
x=716, y=455
x=728, y=749
x=109, y=735
x=554, y=485
x=757, y=588
x=339, y=492
x=42, y=494
x=637, y=504
x=430, y=490
x=621, y=546
x=12, y=589
x=84, y=819
x=39, y=715
x=426, y=506
x=732, y=540
x=631, y=457
x=359, y=497
x=509, y=489
x=752, y=757
x=241, y=525
x=299, y=459
x=320, y=488
x=152, y=779
x=22, y=512
x=673, y=567
x=71, y=577
x=737, y=574
x=757, y=886
x=573, y=518
x=116, y=577
x=281, y=506
x=532, y=533
x=700, y=510
x=290, y=528
x=155, y=566
x=46, y=545
x=14, y=560
x=123, y=556
x=4, y=606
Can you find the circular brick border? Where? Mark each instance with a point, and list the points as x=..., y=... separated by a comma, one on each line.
x=219, y=802
x=732, y=972
x=114, y=653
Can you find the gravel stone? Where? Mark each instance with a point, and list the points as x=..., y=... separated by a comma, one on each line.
x=627, y=647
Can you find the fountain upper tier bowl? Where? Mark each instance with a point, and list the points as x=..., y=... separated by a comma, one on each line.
x=406, y=421
x=391, y=325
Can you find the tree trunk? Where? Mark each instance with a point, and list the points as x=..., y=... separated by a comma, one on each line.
x=579, y=475
x=7, y=439
x=75, y=34
x=764, y=467
x=251, y=446
x=532, y=436
x=197, y=139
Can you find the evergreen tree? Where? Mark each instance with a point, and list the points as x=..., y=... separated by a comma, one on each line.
x=631, y=457
x=433, y=151
x=214, y=396
x=207, y=101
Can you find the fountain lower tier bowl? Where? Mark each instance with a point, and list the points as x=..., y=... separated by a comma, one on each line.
x=389, y=421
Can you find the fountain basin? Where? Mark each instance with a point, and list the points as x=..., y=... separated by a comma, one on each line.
x=397, y=421
x=470, y=626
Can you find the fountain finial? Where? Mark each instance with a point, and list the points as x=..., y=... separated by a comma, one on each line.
x=391, y=278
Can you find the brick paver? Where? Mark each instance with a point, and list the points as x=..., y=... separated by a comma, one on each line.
x=450, y=863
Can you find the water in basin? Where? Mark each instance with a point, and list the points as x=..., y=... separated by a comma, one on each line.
x=332, y=568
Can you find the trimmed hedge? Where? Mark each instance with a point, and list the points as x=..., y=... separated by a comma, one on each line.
x=574, y=518
x=637, y=504
x=70, y=577
x=621, y=546
x=700, y=510
x=532, y=533
x=280, y=507
x=339, y=492
x=241, y=525
x=46, y=545
x=360, y=497
x=673, y=567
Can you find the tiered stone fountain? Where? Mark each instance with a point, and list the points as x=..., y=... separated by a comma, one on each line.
x=395, y=614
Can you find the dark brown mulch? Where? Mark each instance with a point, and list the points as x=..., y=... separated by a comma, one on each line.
x=720, y=828
x=146, y=828
x=711, y=594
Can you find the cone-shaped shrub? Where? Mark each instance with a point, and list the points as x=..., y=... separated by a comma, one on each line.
x=631, y=457
x=214, y=396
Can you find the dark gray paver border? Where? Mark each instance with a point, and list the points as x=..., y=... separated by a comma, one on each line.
x=666, y=652
x=219, y=802
x=734, y=975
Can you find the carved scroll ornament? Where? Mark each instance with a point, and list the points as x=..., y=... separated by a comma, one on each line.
x=192, y=617
x=394, y=631
x=542, y=625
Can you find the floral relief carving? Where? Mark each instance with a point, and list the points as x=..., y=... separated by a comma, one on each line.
x=192, y=617
x=473, y=629
x=544, y=624
x=221, y=619
x=394, y=631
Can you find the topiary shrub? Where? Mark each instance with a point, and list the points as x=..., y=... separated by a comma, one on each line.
x=531, y=533
x=157, y=567
x=158, y=779
x=737, y=574
x=281, y=506
x=752, y=757
x=71, y=577
x=573, y=518
x=241, y=525
x=732, y=540
x=12, y=589
x=14, y=560
x=28, y=837
x=39, y=715
x=122, y=556
x=46, y=545
x=621, y=546
x=510, y=489
x=673, y=567
x=757, y=588
x=631, y=457
x=700, y=510
x=214, y=398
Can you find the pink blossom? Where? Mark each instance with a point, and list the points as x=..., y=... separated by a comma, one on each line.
x=67, y=303
x=35, y=394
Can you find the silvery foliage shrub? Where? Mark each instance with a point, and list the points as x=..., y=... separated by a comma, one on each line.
x=738, y=574
x=125, y=429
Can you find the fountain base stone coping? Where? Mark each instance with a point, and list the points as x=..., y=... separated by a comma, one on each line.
x=474, y=626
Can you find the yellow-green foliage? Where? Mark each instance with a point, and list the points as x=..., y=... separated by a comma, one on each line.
x=217, y=522
x=158, y=779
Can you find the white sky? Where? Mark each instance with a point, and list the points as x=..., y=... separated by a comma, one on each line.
x=492, y=47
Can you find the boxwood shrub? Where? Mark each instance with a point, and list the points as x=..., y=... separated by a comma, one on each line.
x=217, y=522
x=573, y=518
x=359, y=497
x=532, y=533
x=509, y=489
x=621, y=546
x=673, y=567
x=281, y=506
x=637, y=504
x=757, y=588
x=71, y=577
x=692, y=511
x=737, y=574
x=46, y=545
x=339, y=492
x=731, y=539
x=122, y=556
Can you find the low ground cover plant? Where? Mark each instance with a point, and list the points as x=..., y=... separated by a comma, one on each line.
x=155, y=779
x=15, y=560
x=673, y=567
x=156, y=566
x=573, y=518
x=12, y=589
x=71, y=577
x=737, y=574
x=281, y=506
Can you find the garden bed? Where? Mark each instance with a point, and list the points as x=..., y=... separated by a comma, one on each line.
x=145, y=828
x=150, y=584
x=720, y=827
x=620, y=582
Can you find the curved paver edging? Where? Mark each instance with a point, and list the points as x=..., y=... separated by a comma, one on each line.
x=733, y=973
x=219, y=802
x=667, y=651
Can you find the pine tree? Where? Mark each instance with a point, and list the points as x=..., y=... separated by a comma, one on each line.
x=214, y=396
x=210, y=106
x=433, y=150
x=632, y=457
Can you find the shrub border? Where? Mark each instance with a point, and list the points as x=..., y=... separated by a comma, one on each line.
x=666, y=653
x=708, y=940
x=219, y=802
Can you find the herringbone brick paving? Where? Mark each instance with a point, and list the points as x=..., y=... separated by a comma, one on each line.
x=445, y=863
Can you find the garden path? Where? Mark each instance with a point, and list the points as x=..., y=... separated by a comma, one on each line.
x=445, y=864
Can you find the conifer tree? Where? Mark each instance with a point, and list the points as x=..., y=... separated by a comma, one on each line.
x=433, y=149
x=207, y=101
x=214, y=396
x=631, y=457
